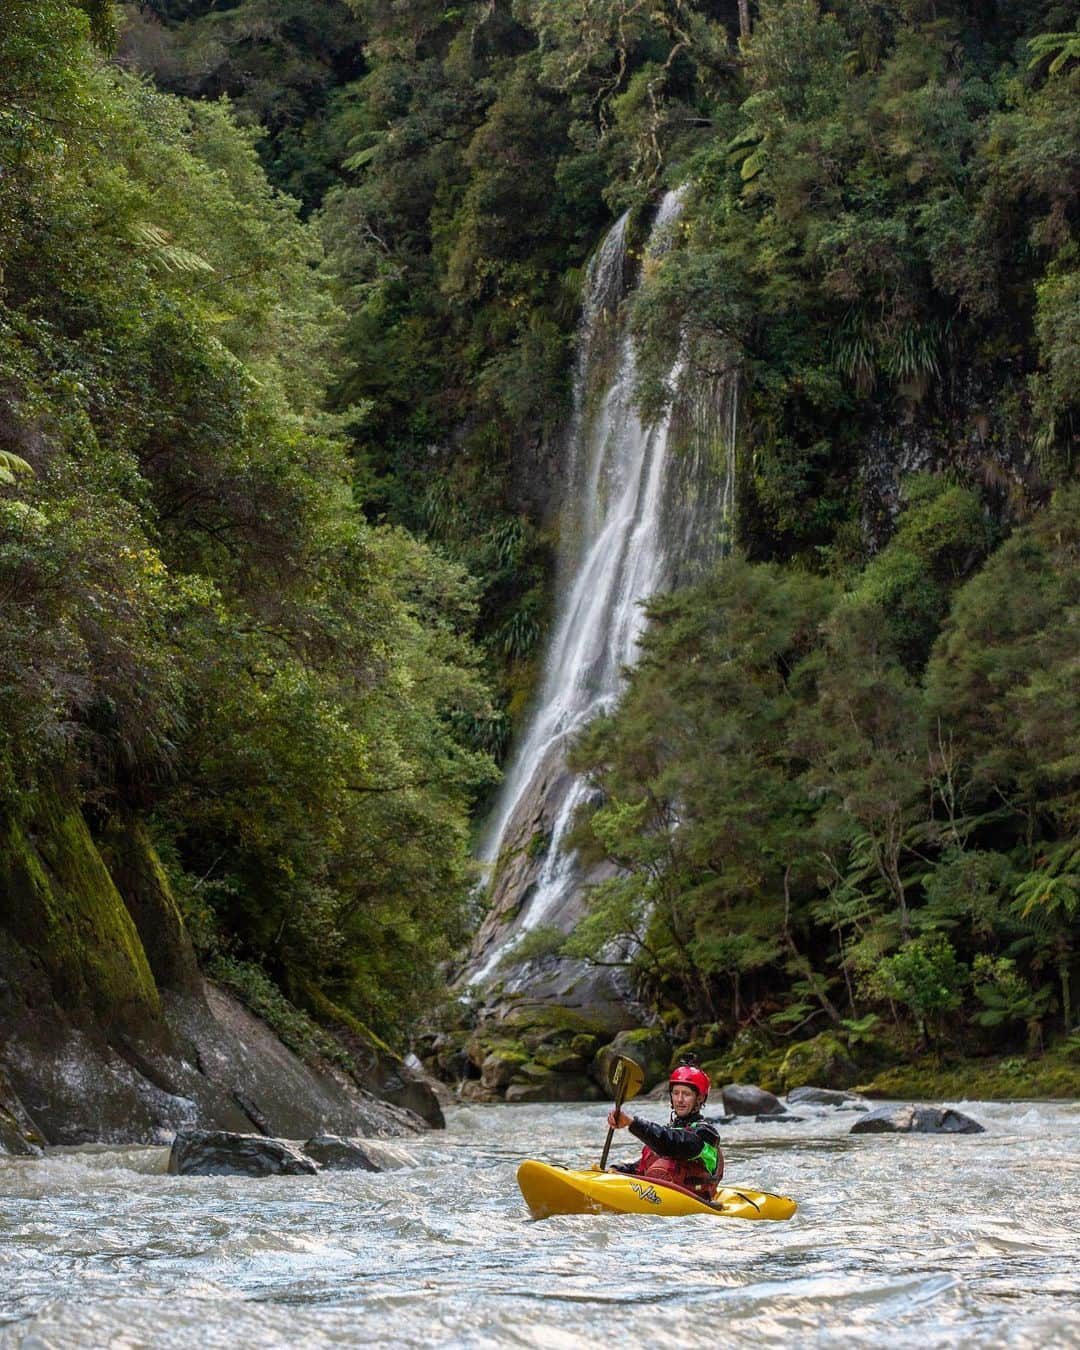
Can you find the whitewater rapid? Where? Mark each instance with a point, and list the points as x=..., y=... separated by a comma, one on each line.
x=905, y=1241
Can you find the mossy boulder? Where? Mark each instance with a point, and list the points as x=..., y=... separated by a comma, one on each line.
x=585, y=1045
x=500, y=1066
x=648, y=1047
x=540, y=1085
x=823, y=1061
x=560, y=1059
x=551, y=1017
x=374, y=1064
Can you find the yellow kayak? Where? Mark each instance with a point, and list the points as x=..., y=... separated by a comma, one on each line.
x=557, y=1190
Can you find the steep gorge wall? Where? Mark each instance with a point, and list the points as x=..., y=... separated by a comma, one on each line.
x=109, y=1032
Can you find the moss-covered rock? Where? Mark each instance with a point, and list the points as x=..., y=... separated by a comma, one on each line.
x=822, y=1061
x=500, y=1066
x=561, y=1059
x=584, y=1045
x=551, y=1017
x=648, y=1047
x=374, y=1064
x=62, y=906
x=544, y=1086
x=137, y=873
x=1054, y=1075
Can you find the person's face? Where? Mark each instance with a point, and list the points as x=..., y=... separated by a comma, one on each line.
x=683, y=1099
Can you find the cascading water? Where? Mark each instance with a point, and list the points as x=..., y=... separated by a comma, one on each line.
x=638, y=512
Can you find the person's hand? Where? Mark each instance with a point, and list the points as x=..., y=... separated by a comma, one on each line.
x=617, y=1120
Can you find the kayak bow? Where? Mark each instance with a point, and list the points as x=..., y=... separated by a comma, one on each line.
x=557, y=1190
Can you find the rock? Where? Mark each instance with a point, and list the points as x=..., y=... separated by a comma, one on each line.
x=584, y=1045
x=340, y=1155
x=560, y=1059
x=823, y=1059
x=721, y=1120
x=545, y=1086
x=474, y=1091
x=499, y=1068
x=19, y=1136
x=783, y=1119
x=215, y=1153
x=646, y=1046
x=448, y=1056
x=382, y=1071
x=103, y=1044
x=820, y=1096
x=910, y=1119
x=743, y=1099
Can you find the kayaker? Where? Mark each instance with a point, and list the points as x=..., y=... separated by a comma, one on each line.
x=685, y=1152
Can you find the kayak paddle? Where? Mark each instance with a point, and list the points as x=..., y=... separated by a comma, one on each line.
x=626, y=1079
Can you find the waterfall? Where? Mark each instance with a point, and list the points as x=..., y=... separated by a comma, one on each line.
x=639, y=514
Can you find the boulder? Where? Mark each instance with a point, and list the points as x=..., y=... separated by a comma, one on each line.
x=743, y=1099
x=782, y=1119
x=472, y=1090
x=560, y=1059
x=910, y=1119
x=499, y=1068
x=216, y=1153
x=721, y=1120
x=820, y=1096
x=544, y=1086
x=448, y=1058
x=648, y=1047
x=340, y=1155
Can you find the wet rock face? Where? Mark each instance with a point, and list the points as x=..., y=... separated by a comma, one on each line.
x=742, y=1099
x=19, y=1136
x=909, y=1119
x=216, y=1153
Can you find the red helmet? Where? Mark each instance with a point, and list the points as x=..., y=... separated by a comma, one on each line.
x=693, y=1077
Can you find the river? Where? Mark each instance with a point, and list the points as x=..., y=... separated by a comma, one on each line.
x=899, y=1240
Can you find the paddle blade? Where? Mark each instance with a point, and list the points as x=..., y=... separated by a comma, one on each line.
x=627, y=1079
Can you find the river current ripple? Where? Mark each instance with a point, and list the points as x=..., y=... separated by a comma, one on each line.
x=899, y=1241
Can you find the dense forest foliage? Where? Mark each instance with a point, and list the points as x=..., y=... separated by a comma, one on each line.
x=289, y=291
x=199, y=625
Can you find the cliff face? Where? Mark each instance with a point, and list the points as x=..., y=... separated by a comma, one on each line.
x=109, y=1032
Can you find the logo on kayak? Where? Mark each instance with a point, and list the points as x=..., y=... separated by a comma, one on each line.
x=646, y=1193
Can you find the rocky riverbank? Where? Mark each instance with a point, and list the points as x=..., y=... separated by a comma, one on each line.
x=532, y=1046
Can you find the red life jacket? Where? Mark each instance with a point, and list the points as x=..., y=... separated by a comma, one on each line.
x=689, y=1173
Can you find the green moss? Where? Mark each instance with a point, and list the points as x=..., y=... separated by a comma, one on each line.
x=139, y=876
x=762, y=1070
x=556, y=1018
x=1007, y=1079
x=822, y=1061
x=62, y=907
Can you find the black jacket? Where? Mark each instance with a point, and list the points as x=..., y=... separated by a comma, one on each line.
x=681, y=1140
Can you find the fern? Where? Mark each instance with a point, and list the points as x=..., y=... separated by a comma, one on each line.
x=11, y=466
x=165, y=254
x=1066, y=45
